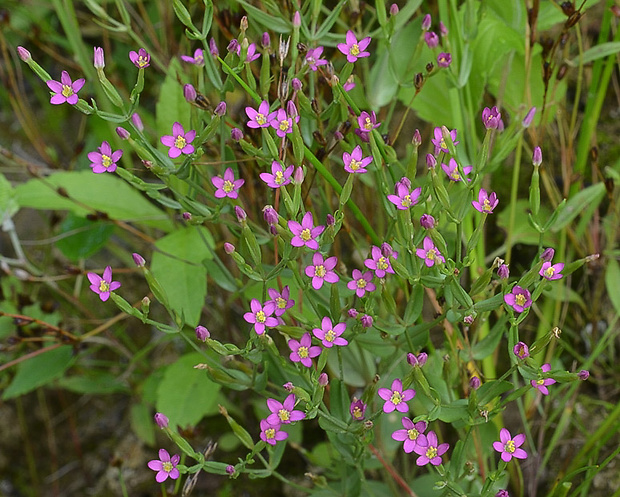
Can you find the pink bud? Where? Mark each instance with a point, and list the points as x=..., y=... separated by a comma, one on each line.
x=240, y=213
x=431, y=39
x=417, y=138
x=298, y=177
x=427, y=221
x=296, y=84
x=187, y=216
x=270, y=215
x=386, y=250
x=288, y=386
x=220, y=110
x=138, y=259
x=137, y=122
x=431, y=162
x=352, y=313
x=468, y=320
x=98, y=59
x=474, y=382
x=24, y=54
x=330, y=221
x=426, y=22
x=521, y=350
x=583, y=375
x=291, y=109
x=394, y=9
x=189, y=92
x=442, y=29
x=529, y=117
x=323, y=379
x=202, y=333
x=161, y=420
x=338, y=136
x=503, y=272
x=213, y=48
x=236, y=134
x=234, y=47
x=366, y=321
x=297, y=20
x=537, y=157
x=230, y=469
x=122, y=133
x=547, y=255
x=265, y=40
x=404, y=181
x=229, y=248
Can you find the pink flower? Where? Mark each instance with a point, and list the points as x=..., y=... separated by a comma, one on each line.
x=367, y=122
x=322, y=270
x=305, y=233
x=521, y=350
x=508, y=447
x=103, y=286
x=227, y=186
x=429, y=253
x=65, y=90
x=251, y=55
x=395, y=398
x=491, y=117
x=104, y=160
x=431, y=39
x=444, y=59
x=165, y=466
x=271, y=433
x=198, y=59
x=440, y=143
x=550, y=272
x=417, y=361
x=453, y=171
x=486, y=203
x=141, y=59
x=404, y=199
x=357, y=409
x=519, y=298
x=313, y=58
x=283, y=413
x=410, y=435
x=428, y=450
x=281, y=301
x=329, y=334
x=260, y=118
x=179, y=141
x=279, y=176
x=354, y=49
x=542, y=383
x=303, y=351
x=261, y=316
x=379, y=263
x=282, y=123
x=361, y=283
x=354, y=162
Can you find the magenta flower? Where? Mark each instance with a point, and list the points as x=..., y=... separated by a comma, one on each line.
x=444, y=59
x=367, y=122
x=161, y=420
x=251, y=55
x=410, y=435
x=427, y=221
x=179, y=141
x=431, y=39
x=519, y=298
x=428, y=450
x=417, y=361
x=486, y=203
x=404, y=198
x=260, y=316
x=165, y=466
x=305, y=233
x=429, y=253
x=283, y=413
x=141, y=59
x=322, y=270
x=440, y=143
x=104, y=160
x=521, y=350
x=491, y=117
x=227, y=186
x=329, y=334
x=354, y=162
x=303, y=351
x=358, y=409
x=354, y=49
x=361, y=283
x=65, y=90
x=349, y=85
x=260, y=118
x=313, y=58
x=396, y=398
x=103, y=286
x=541, y=384
x=379, y=263
x=508, y=447
x=452, y=170
x=550, y=272
x=198, y=59
x=279, y=176
x=271, y=433
x=281, y=301
x=282, y=123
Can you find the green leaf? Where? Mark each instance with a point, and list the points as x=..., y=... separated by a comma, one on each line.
x=101, y=192
x=522, y=232
x=87, y=237
x=178, y=267
x=358, y=365
x=38, y=371
x=612, y=282
x=8, y=203
x=186, y=394
x=576, y=204
x=142, y=423
x=598, y=52
x=95, y=382
x=267, y=21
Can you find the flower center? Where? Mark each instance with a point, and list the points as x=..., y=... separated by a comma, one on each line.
x=413, y=434
x=406, y=201
x=280, y=302
x=455, y=175
x=302, y=352
x=396, y=398
x=354, y=50
x=520, y=299
x=361, y=283
x=486, y=205
x=260, y=119
x=330, y=336
x=319, y=271
x=104, y=286
x=431, y=452
x=142, y=61
x=357, y=412
x=368, y=124
x=306, y=235
x=284, y=124
x=540, y=382
x=443, y=60
x=431, y=254
x=283, y=414
x=270, y=433
x=311, y=60
x=382, y=263
x=355, y=165
x=549, y=272
x=67, y=91
x=260, y=317
x=279, y=178
x=510, y=446
x=180, y=142
x=106, y=160
x=442, y=143
x=167, y=466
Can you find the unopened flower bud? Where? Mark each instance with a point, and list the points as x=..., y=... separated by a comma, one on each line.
x=417, y=361
x=394, y=9
x=417, y=138
x=444, y=59
x=323, y=379
x=537, y=157
x=404, y=181
x=138, y=259
x=229, y=248
x=296, y=19
x=330, y=221
x=230, y=469
x=236, y=134
x=270, y=215
x=122, y=133
x=202, y=333
x=469, y=319
x=431, y=162
x=503, y=272
x=352, y=313
x=265, y=40
x=592, y=257
x=521, y=350
x=529, y=117
x=137, y=122
x=24, y=54
x=502, y=493
x=386, y=250
x=427, y=221
x=187, y=216
x=189, y=92
x=338, y=136
x=220, y=109
x=431, y=39
x=426, y=22
x=233, y=46
x=161, y=420
x=474, y=383
x=291, y=109
x=547, y=255
x=296, y=84
x=213, y=48
x=366, y=321
x=240, y=213
x=98, y=58
x=443, y=31
x=243, y=25
x=583, y=375
x=298, y=177
x=288, y=386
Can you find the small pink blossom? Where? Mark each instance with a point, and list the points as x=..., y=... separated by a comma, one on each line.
x=439, y=141
x=486, y=203
x=395, y=398
x=140, y=59
x=271, y=433
x=227, y=186
x=103, y=286
x=305, y=233
x=521, y=350
x=303, y=351
x=279, y=176
x=519, y=298
x=404, y=199
x=542, y=383
x=330, y=334
x=429, y=450
x=281, y=301
x=65, y=90
x=491, y=117
x=452, y=170
x=251, y=56
x=357, y=409
x=260, y=118
x=550, y=272
x=283, y=412
x=429, y=252
x=379, y=263
x=367, y=122
x=354, y=162
x=179, y=142
x=313, y=58
x=508, y=446
x=410, y=434
x=431, y=39
x=260, y=316
x=198, y=59
x=165, y=466
x=444, y=59
x=104, y=161
x=322, y=270
x=354, y=49
x=361, y=283
x=282, y=123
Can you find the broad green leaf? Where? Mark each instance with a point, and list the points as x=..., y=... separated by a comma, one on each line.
x=178, y=267
x=96, y=382
x=612, y=282
x=186, y=394
x=558, y=291
x=575, y=205
x=39, y=370
x=102, y=192
x=85, y=237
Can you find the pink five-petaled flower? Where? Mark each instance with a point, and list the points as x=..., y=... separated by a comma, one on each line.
x=313, y=58
x=354, y=49
x=303, y=351
x=165, y=466
x=429, y=252
x=104, y=160
x=491, y=117
x=227, y=186
x=283, y=412
x=550, y=272
x=141, y=59
x=322, y=270
x=508, y=447
x=444, y=59
x=395, y=397
x=271, y=433
x=439, y=141
x=367, y=122
x=179, y=141
x=282, y=123
x=486, y=203
x=379, y=263
x=329, y=334
x=251, y=54
x=103, y=286
x=519, y=298
x=404, y=198
x=452, y=170
x=279, y=176
x=260, y=118
x=305, y=233
x=410, y=435
x=428, y=450
x=354, y=162
x=198, y=59
x=361, y=283
x=281, y=301
x=260, y=316
x=541, y=384
x=65, y=90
